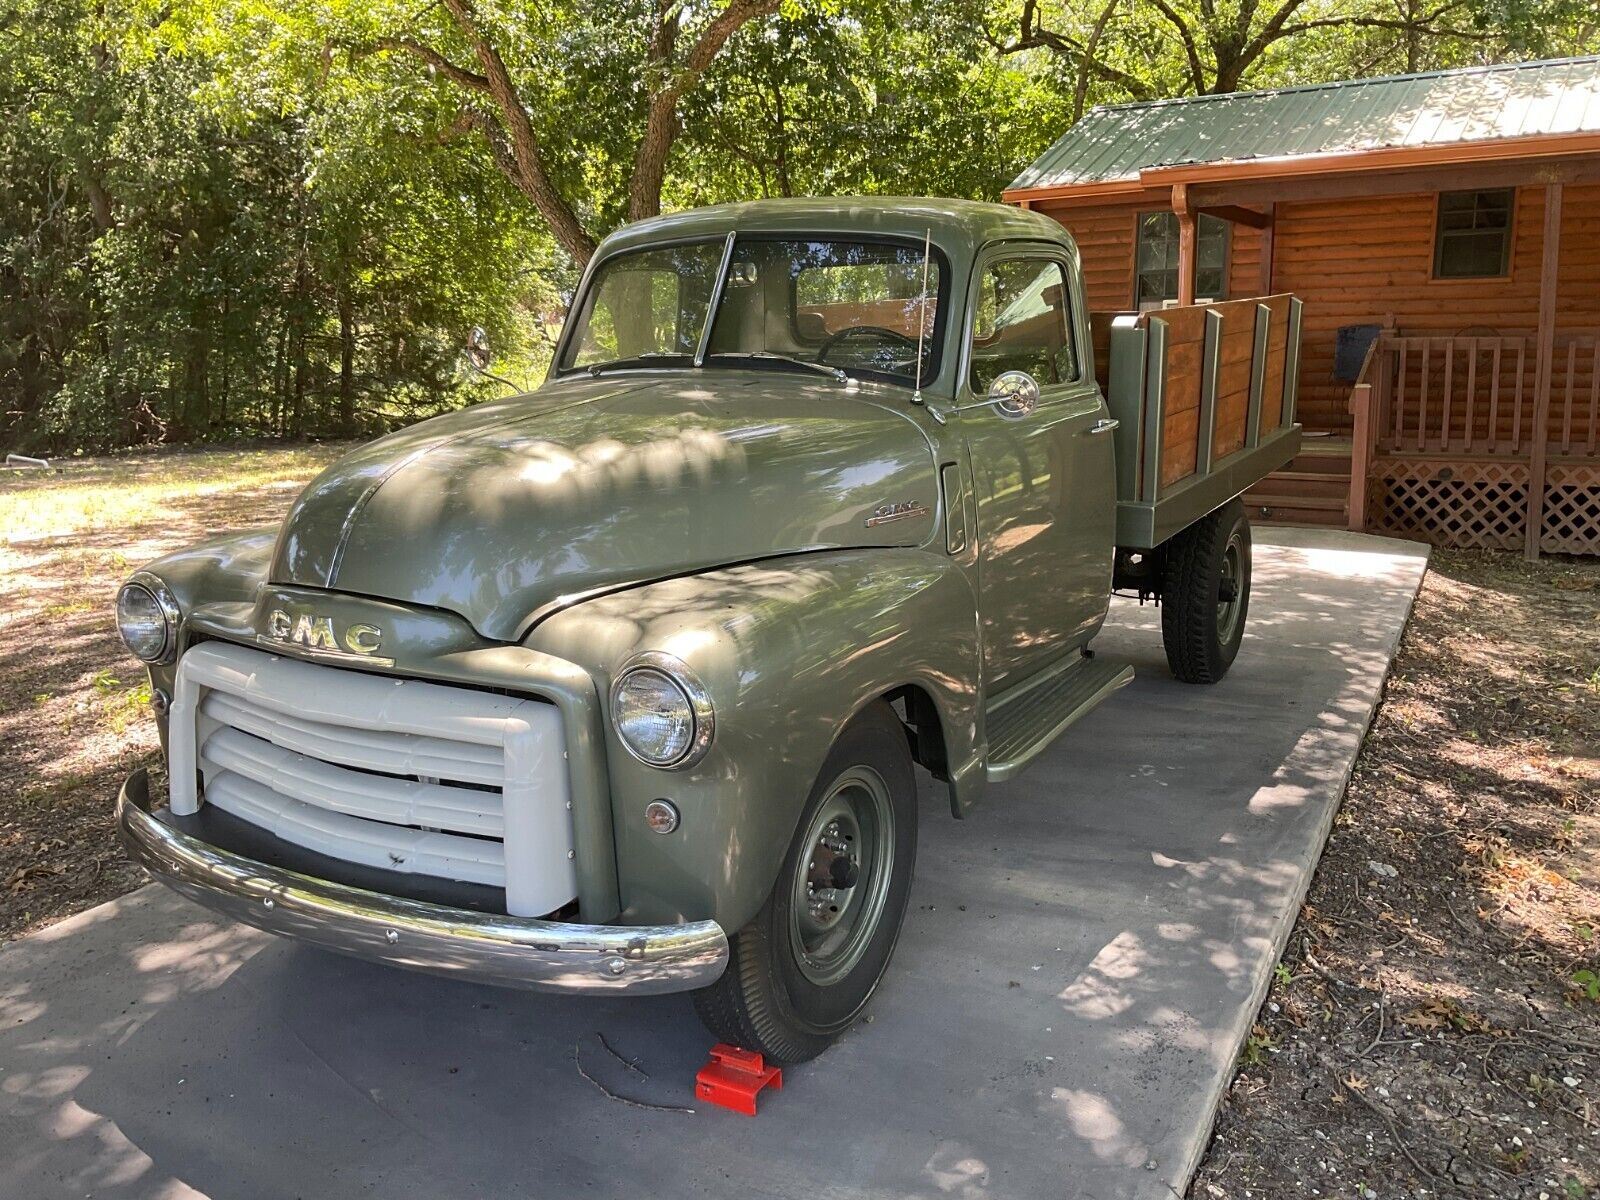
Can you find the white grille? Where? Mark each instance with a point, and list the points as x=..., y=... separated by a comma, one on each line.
x=399, y=774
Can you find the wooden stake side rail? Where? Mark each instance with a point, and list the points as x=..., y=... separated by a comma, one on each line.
x=1205, y=400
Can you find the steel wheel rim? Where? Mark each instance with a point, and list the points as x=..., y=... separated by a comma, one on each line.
x=1230, y=590
x=830, y=926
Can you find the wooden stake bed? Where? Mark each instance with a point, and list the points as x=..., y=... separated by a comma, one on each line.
x=1205, y=397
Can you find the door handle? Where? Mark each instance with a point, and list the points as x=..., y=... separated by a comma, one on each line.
x=1104, y=425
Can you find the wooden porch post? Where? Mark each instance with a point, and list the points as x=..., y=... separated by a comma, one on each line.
x=1545, y=343
x=1365, y=431
x=1186, y=243
x=1266, y=250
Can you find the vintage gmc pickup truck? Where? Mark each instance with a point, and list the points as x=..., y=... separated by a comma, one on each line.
x=623, y=683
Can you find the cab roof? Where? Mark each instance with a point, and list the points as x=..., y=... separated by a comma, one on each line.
x=959, y=227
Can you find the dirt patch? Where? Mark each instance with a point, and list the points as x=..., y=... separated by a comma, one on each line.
x=1434, y=1027
x=74, y=704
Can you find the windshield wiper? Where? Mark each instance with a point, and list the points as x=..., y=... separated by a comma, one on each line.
x=649, y=358
x=836, y=373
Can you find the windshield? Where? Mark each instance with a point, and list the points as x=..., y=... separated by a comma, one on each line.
x=860, y=306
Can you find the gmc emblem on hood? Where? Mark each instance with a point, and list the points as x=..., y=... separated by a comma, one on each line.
x=310, y=631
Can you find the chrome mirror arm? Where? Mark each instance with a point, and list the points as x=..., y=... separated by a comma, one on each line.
x=942, y=415
x=1014, y=393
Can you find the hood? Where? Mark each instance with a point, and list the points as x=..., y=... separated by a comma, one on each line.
x=505, y=512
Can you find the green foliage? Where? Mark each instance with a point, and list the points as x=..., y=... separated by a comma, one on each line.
x=1587, y=983
x=881, y=99
x=1257, y=1046
x=243, y=218
x=1145, y=49
x=198, y=252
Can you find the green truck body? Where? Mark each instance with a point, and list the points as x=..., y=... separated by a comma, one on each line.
x=815, y=490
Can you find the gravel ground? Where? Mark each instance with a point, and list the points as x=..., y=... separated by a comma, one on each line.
x=1434, y=1027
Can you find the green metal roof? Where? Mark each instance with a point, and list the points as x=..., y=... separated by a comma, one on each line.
x=1438, y=108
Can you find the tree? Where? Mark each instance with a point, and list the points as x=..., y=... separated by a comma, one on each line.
x=189, y=250
x=226, y=218
x=873, y=98
x=664, y=54
x=1221, y=43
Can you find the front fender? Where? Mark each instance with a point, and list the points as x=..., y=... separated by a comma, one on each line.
x=789, y=650
x=224, y=571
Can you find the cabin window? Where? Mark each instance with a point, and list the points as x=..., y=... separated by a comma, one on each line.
x=1156, y=274
x=1472, y=239
x=1022, y=323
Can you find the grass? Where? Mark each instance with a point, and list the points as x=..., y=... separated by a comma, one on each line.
x=136, y=490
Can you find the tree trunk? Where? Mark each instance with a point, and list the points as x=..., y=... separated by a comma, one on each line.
x=226, y=382
x=785, y=188
x=510, y=130
x=347, y=364
x=297, y=404
x=280, y=379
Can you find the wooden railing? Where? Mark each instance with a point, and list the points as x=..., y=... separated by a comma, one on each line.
x=1363, y=439
x=1474, y=395
x=1454, y=394
x=1575, y=394
x=1455, y=399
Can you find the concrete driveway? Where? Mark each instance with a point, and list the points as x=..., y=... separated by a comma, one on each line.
x=1079, y=967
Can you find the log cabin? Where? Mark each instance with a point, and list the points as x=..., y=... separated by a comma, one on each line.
x=1442, y=231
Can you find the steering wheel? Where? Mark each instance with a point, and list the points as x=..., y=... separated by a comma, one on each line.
x=850, y=331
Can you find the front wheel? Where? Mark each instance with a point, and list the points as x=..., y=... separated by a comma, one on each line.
x=1205, y=594
x=804, y=968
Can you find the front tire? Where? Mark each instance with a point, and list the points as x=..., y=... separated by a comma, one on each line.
x=802, y=971
x=1205, y=594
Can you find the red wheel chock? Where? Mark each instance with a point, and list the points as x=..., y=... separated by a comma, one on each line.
x=734, y=1076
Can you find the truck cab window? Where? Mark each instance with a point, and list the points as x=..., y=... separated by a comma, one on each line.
x=648, y=305
x=816, y=305
x=1022, y=323
x=859, y=306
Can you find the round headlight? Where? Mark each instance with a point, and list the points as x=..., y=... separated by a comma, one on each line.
x=147, y=620
x=661, y=712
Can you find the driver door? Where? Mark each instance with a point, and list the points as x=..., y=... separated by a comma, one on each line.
x=1045, y=480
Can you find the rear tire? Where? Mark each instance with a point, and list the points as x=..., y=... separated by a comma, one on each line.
x=1205, y=594
x=802, y=971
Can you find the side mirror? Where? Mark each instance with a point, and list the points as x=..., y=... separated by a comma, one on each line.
x=478, y=348
x=479, y=358
x=1014, y=394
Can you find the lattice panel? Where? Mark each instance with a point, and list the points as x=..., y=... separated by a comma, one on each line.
x=1463, y=504
x=1571, y=510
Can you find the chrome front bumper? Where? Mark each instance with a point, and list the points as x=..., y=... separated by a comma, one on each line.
x=483, y=947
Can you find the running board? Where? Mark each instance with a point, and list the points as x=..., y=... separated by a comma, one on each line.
x=1023, y=724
